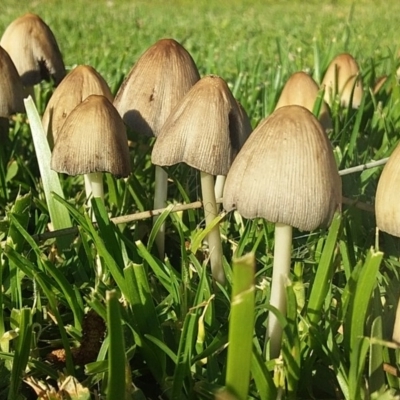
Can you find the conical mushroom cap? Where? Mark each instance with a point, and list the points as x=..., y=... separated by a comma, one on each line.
x=343, y=74
x=92, y=139
x=302, y=90
x=387, y=208
x=33, y=49
x=155, y=84
x=205, y=130
x=11, y=89
x=80, y=83
x=286, y=172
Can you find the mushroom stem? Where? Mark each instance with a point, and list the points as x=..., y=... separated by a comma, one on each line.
x=213, y=237
x=94, y=188
x=160, y=197
x=219, y=186
x=94, y=185
x=280, y=273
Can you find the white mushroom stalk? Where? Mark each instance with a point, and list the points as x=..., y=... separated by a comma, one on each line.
x=280, y=277
x=160, y=199
x=214, y=236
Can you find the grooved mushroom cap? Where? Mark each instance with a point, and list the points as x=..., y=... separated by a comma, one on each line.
x=33, y=49
x=11, y=89
x=155, y=84
x=342, y=75
x=92, y=139
x=80, y=83
x=205, y=130
x=302, y=90
x=286, y=172
x=387, y=208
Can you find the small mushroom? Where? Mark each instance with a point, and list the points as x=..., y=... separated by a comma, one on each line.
x=34, y=50
x=91, y=141
x=11, y=89
x=343, y=79
x=205, y=131
x=302, y=90
x=285, y=173
x=80, y=83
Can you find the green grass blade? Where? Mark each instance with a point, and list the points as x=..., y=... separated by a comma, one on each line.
x=22, y=351
x=262, y=377
x=241, y=326
x=323, y=277
x=31, y=271
x=117, y=387
x=58, y=214
x=357, y=313
x=375, y=367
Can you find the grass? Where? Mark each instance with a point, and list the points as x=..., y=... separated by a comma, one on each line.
x=107, y=318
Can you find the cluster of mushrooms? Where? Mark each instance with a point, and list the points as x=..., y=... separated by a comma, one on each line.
x=284, y=171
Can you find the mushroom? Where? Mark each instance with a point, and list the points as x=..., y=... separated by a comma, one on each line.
x=91, y=141
x=342, y=78
x=205, y=130
x=302, y=90
x=34, y=50
x=285, y=173
x=11, y=89
x=80, y=83
x=387, y=210
x=156, y=83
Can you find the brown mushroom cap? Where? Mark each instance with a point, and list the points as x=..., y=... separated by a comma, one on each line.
x=286, y=172
x=387, y=208
x=155, y=84
x=92, y=139
x=205, y=130
x=11, y=89
x=33, y=49
x=80, y=83
x=302, y=90
x=343, y=73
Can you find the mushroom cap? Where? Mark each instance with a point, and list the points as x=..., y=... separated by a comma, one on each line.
x=92, y=139
x=387, y=208
x=286, y=172
x=302, y=90
x=205, y=130
x=80, y=83
x=342, y=75
x=11, y=89
x=155, y=84
x=33, y=49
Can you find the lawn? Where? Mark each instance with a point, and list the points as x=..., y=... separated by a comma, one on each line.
x=96, y=313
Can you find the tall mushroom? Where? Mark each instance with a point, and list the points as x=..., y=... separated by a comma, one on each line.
x=285, y=173
x=156, y=83
x=302, y=90
x=80, y=83
x=34, y=50
x=343, y=79
x=205, y=131
x=91, y=141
